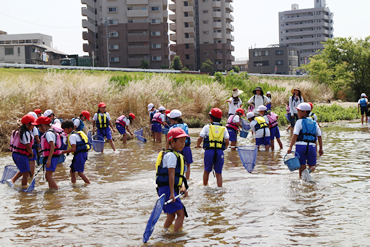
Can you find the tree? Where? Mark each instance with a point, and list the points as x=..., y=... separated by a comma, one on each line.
x=207, y=67
x=176, y=63
x=236, y=69
x=144, y=64
x=343, y=64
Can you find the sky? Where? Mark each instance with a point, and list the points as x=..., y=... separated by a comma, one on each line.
x=255, y=22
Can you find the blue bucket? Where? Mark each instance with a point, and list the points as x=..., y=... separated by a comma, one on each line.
x=248, y=156
x=165, y=130
x=293, y=163
x=98, y=143
x=243, y=134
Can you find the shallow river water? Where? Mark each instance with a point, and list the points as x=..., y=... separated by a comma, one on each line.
x=270, y=207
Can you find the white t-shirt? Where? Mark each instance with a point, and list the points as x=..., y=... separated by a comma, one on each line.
x=74, y=138
x=76, y=122
x=298, y=128
x=25, y=138
x=162, y=117
x=258, y=100
x=293, y=104
x=260, y=132
x=169, y=160
x=205, y=132
x=34, y=132
x=50, y=137
x=232, y=107
x=126, y=121
x=314, y=116
x=366, y=101
x=56, y=121
x=95, y=118
x=236, y=119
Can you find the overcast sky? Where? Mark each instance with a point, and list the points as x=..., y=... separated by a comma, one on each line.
x=256, y=22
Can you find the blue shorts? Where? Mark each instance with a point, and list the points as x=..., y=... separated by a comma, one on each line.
x=121, y=129
x=214, y=159
x=308, y=158
x=53, y=163
x=157, y=127
x=274, y=132
x=263, y=141
x=364, y=110
x=232, y=134
x=187, y=155
x=105, y=133
x=34, y=155
x=172, y=207
x=293, y=119
x=78, y=162
x=22, y=162
x=268, y=107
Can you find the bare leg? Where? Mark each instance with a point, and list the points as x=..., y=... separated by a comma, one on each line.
x=205, y=177
x=179, y=220
x=267, y=148
x=301, y=169
x=84, y=178
x=51, y=181
x=312, y=168
x=280, y=144
x=32, y=167
x=73, y=177
x=219, y=179
x=272, y=144
x=111, y=142
x=169, y=220
x=187, y=172
x=124, y=138
x=233, y=144
x=362, y=119
x=16, y=176
x=159, y=137
x=24, y=178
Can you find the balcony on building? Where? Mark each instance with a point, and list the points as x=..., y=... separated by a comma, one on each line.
x=88, y=37
x=189, y=30
x=217, y=35
x=217, y=24
x=172, y=7
x=216, y=4
x=189, y=9
x=173, y=37
x=138, y=37
x=88, y=13
x=88, y=48
x=137, y=13
x=88, y=3
x=229, y=7
x=229, y=26
x=87, y=24
x=173, y=27
x=138, y=26
x=216, y=14
x=189, y=40
x=136, y=2
x=138, y=49
x=229, y=17
x=172, y=17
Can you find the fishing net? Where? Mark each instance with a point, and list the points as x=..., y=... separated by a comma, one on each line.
x=9, y=172
x=157, y=210
x=139, y=134
x=98, y=143
x=248, y=156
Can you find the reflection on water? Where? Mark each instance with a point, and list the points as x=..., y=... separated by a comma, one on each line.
x=269, y=207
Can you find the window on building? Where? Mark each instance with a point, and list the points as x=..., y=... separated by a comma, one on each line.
x=279, y=62
x=261, y=63
x=114, y=34
x=206, y=32
x=186, y=14
x=113, y=22
x=156, y=58
x=279, y=52
x=187, y=46
x=114, y=47
x=156, y=21
x=156, y=46
x=112, y=9
x=205, y=22
x=205, y=11
x=9, y=51
x=155, y=8
x=114, y=59
x=187, y=56
x=156, y=33
x=186, y=24
x=19, y=51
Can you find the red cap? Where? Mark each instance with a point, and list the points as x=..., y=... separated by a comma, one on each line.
x=132, y=115
x=28, y=119
x=86, y=114
x=310, y=105
x=37, y=111
x=167, y=111
x=216, y=112
x=43, y=120
x=102, y=104
x=176, y=133
x=240, y=110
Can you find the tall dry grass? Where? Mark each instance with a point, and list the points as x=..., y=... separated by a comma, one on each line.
x=67, y=94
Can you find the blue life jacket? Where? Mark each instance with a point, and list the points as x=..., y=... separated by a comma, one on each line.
x=81, y=126
x=151, y=114
x=162, y=178
x=184, y=126
x=363, y=102
x=102, y=121
x=308, y=132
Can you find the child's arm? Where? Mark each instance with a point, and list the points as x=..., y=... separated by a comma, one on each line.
x=183, y=189
x=52, y=148
x=93, y=126
x=226, y=143
x=29, y=150
x=171, y=183
x=294, y=140
x=111, y=126
x=71, y=150
x=321, y=152
x=128, y=129
x=358, y=108
x=200, y=139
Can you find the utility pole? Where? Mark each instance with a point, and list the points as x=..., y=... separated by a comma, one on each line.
x=106, y=23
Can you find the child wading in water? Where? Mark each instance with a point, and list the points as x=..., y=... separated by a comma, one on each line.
x=304, y=136
x=215, y=140
x=21, y=145
x=159, y=118
x=363, y=103
x=274, y=129
x=170, y=179
x=152, y=111
x=122, y=124
x=79, y=121
x=260, y=126
x=176, y=122
x=50, y=147
x=78, y=145
x=233, y=124
x=101, y=120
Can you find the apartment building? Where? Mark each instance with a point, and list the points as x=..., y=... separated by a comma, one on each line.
x=202, y=30
x=306, y=28
x=275, y=59
x=121, y=33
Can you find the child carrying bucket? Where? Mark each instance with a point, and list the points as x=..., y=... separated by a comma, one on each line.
x=215, y=140
x=259, y=125
x=159, y=118
x=102, y=122
x=233, y=124
x=304, y=136
x=122, y=124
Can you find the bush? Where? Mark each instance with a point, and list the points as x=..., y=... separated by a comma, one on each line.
x=144, y=64
x=236, y=69
x=219, y=77
x=176, y=63
x=207, y=67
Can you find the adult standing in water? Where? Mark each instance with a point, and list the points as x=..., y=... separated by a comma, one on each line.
x=257, y=100
x=294, y=101
x=234, y=102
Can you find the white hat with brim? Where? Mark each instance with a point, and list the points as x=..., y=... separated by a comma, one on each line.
x=237, y=92
x=174, y=114
x=250, y=115
x=262, y=108
x=304, y=107
x=161, y=108
x=150, y=106
x=363, y=95
x=32, y=114
x=268, y=93
x=47, y=113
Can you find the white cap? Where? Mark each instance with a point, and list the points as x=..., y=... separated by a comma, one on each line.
x=363, y=95
x=32, y=114
x=174, y=114
x=161, y=108
x=268, y=92
x=250, y=115
x=262, y=108
x=304, y=107
x=150, y=106
x=47, y=113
